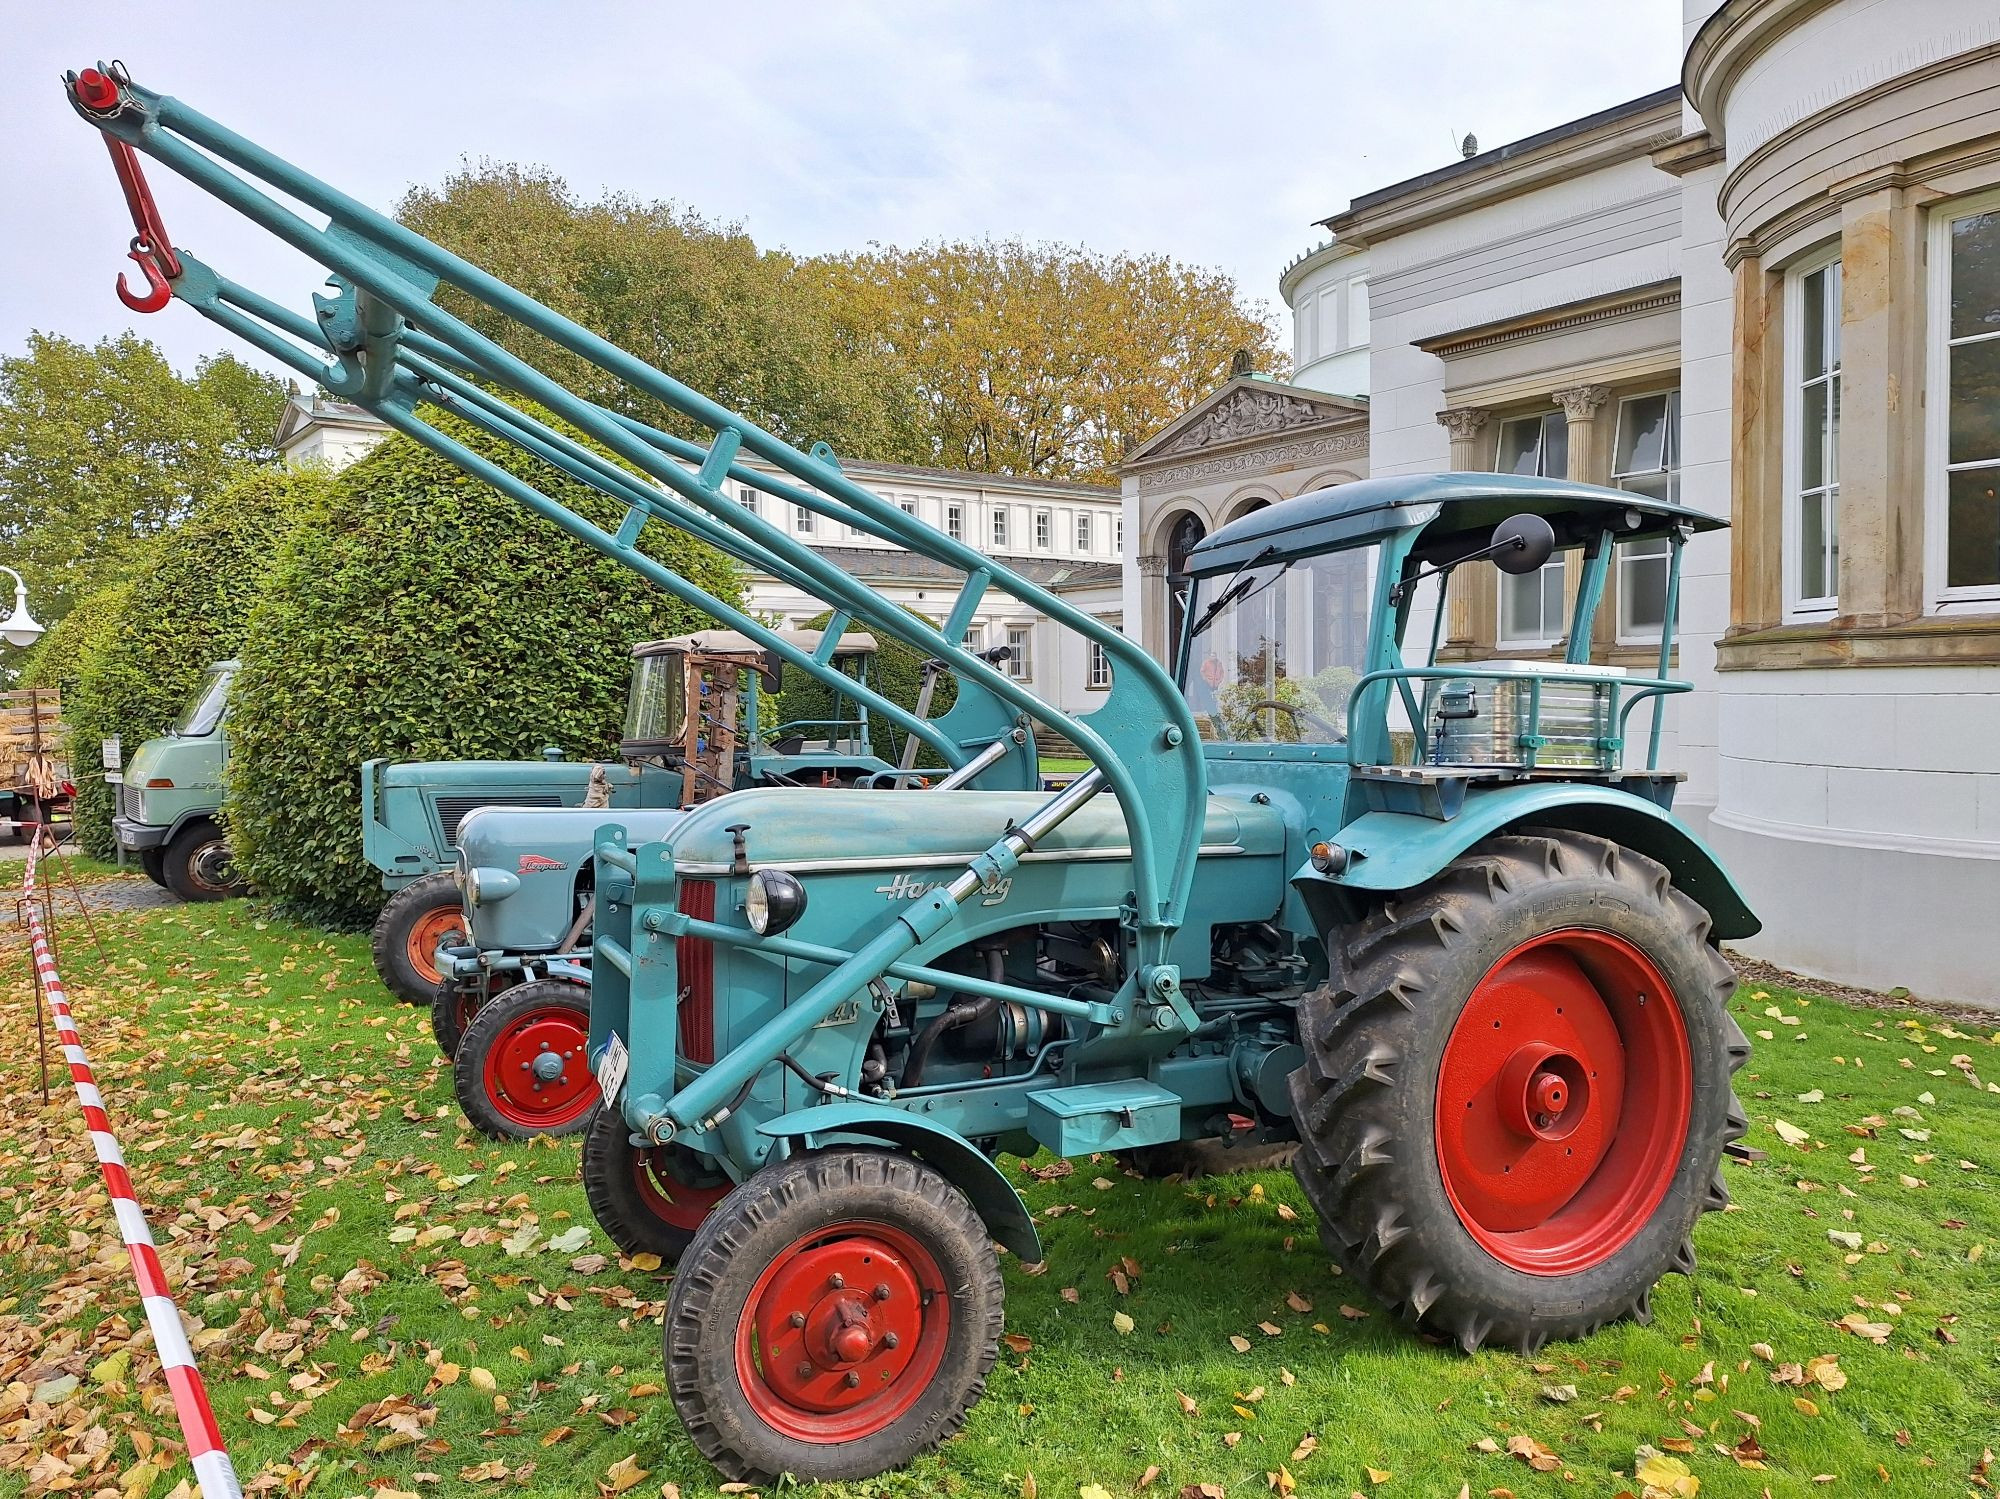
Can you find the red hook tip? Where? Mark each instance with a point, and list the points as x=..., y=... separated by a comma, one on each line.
x=159, y=293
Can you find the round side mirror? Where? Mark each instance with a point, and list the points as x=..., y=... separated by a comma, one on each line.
x=1522, y=543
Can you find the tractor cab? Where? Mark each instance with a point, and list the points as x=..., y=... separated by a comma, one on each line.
x=1312, y=632
x=698, y=702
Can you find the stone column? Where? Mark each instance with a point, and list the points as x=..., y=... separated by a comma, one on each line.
x=1153, y=608
x=1881, y=414
x=1470, y=587
x=1756, y=449
x=1465, y=424
x=1580, y=404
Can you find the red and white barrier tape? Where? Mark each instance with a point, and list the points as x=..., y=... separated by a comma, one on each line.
x=204, y=1441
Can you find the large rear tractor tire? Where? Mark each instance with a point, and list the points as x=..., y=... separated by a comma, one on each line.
x=1517, y=1091
x=648, y=1200
x=834, y=1316
x=521, y=1069
x=418, y=917
x=197, y=865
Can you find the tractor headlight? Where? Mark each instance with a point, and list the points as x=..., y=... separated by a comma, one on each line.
x=483, y=886
x=774, y=901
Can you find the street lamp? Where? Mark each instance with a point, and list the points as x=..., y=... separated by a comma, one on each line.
x=19, y=628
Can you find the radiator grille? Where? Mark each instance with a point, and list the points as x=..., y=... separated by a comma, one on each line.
x=695, y=959
x=452, y=810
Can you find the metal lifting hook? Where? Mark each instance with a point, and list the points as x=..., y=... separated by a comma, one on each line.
x=159, y=293
x=152, y=249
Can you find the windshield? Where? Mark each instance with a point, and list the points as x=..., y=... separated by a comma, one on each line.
x=1275, y=662
x=202, y=715
x=656, y=708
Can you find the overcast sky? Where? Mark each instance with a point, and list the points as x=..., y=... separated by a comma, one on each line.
x=1217, y=133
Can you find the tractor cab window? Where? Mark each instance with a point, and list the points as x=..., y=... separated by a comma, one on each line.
x=1277, y=648
x=202, y=715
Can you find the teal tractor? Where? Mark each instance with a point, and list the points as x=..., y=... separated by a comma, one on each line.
x=413, y=812
x=170, y=798
x=1437, y=923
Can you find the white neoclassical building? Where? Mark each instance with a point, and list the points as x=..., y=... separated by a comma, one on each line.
x=1068, y=537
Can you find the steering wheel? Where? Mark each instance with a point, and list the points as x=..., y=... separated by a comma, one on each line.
x=1333, y=732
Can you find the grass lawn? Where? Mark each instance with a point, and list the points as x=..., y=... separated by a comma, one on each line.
x=381, y=1308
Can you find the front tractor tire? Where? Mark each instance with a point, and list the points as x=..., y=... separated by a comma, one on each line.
x=1516, y=1091
x=647, y=1199
x=417, y=918
x=835, y=1316
x=197, y=865
x=521, y=1068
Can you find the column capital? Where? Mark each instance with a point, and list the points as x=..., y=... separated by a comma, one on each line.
x=1152, y=565
x=1581, y=402
x=1463, y=422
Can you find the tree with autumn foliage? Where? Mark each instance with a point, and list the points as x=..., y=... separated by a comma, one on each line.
x=1047, y=360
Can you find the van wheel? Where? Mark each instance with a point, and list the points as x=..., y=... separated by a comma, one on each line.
x=835, y=1316
x=419, y=918
x=1517, y=1091
x=197, y=865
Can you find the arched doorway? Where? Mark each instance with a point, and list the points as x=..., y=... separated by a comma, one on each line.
x=1183, y=537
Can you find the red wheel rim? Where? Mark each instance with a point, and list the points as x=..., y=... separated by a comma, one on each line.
x=843, y=1333
x=432, y=928
x=1563, y=1101
x=671, y=1200
x=536, y=1073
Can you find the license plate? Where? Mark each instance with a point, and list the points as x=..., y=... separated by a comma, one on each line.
x=610, y=1069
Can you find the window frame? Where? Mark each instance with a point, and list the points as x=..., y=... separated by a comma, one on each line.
x=1939, y=598
x=1086, y=532
x=1797, y=606
x=747, y=498
x=1558, y=562
x=804, y=521
x=1021, y=665
x=1097, y=668
x=1045, y=530
x=1623, y=632
x=998, y=526
x=954, y=520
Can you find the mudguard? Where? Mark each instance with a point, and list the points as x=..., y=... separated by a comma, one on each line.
x=1390, y=851
x=953, y=1156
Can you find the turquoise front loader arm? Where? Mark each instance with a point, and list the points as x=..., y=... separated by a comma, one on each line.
x=380, y=340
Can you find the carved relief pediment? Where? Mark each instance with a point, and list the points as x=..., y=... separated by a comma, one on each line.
x=1246, y=410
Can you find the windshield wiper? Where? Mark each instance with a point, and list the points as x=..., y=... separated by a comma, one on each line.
x=1232, y=592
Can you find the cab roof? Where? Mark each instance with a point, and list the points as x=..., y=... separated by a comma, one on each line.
x=1450, y=507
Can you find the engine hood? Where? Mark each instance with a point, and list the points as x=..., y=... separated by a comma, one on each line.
x=549, y=838
x=803, y=828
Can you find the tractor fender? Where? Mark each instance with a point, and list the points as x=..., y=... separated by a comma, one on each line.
x=1390, y=851
x=953, y=1156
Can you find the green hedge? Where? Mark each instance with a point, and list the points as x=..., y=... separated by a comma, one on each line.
x=419, y=615
x=185, y=608
x=895, y=671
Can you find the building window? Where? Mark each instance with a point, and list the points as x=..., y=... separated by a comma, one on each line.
x=975, y=639
x=1100, y=667
x=954, y=522
x=907, y=504
x=1964, y=409
x=1043, y=531
x=999, y=525
x=1118, y=534
x=1021, y=641
x=1646, y=459
x=1185, y=536
x=802, y=520
x=1812, y=438
x=747, y=498
x=1531, y=604
x=1083, y=536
